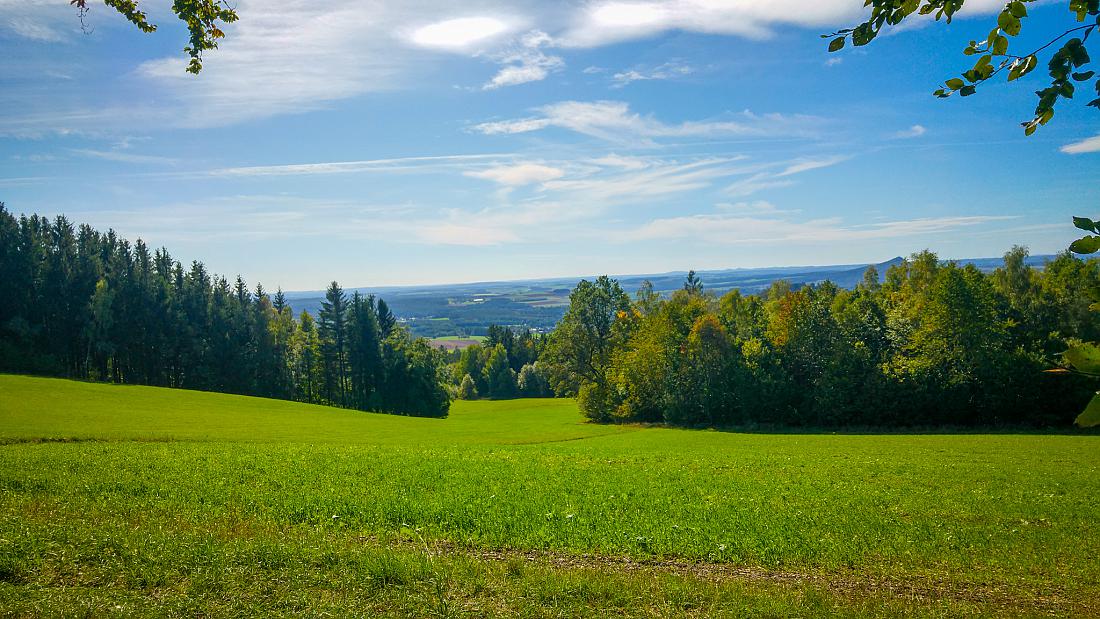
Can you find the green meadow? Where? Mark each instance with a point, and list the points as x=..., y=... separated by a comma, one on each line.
x=140, y=501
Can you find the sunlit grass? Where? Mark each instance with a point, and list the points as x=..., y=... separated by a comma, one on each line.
x=294, y=482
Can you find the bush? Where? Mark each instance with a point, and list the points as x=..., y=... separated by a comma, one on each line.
x=467, y=389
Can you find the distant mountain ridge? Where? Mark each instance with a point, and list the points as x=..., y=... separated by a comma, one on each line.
x=469, y=308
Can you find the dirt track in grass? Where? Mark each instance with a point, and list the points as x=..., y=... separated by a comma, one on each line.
x=995, y=599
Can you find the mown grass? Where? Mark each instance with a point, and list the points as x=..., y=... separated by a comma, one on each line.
x=175, y=502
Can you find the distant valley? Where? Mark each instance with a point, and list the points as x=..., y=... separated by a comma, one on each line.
x=468, y=309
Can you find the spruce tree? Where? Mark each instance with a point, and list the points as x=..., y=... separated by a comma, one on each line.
x=332, y=328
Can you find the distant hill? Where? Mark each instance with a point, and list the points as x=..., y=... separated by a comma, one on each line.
x=468, y=309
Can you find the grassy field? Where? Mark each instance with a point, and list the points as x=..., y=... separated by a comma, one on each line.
x=145, y=501
x=456, y=342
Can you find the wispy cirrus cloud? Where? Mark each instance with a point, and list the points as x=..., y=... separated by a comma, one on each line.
x=610, y=21
x=525, y=62
x=614, y=121
x=348, y=167
x=666, y=71
x=335, y=50
x=1087, y=145
x=653, y=182
x=774, y=175
x=34, y=30
x=915, y=131
x=737, y=229
x=122, y=156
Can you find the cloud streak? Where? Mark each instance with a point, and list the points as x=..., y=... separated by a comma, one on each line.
x=526, y=62
x=614, y=121
x=736, y=229
x=350, y=167
x=1087, y=145
x=611, y=21
x=667, y=71
x=519, y=174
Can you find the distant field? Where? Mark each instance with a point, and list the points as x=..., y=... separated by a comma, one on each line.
x=146, y=501
x=456, y=342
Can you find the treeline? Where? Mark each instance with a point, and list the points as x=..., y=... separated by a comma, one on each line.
x=75, y=302
x=932, y=343
x=504, y=366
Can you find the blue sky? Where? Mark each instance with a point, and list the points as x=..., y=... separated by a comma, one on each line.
x=414, y=142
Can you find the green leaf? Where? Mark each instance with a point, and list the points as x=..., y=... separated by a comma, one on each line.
x=1018, y=9
x=1022, y=68
x=1085, y=224
x=1009, y=23
x=1000, y=45
x=1086, y=245
x=863, y=34
x=966, y=91
x=1083, y=357
x=1080, y=77
x=954, y=83
x=836, y=44
x=1091, y=415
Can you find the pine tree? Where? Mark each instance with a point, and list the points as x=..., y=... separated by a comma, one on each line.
x=364, y=352
x=386, y=319
x=279, y=302
x=332, y=328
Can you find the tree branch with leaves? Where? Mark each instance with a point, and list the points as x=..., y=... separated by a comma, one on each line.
x=204, y=19
x=1067, y=66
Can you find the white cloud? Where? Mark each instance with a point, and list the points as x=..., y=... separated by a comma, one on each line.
x=122, y=157
x=308, y=54
x=648, y=184
x=756, y=206
x=526, y=62
x=34, y=30
x=298, y=58
x=799, y=166
x=667, y=71
x=776, y=175
x=522, y=125
x=605, y=22
x=513, y=75
x=614, y=121
x=617, y=161
x=833, y=61
x=728, y=229
x=458, y=34
x=912, y=132
x=756, y=183
x=344, y=167
x=1087, y=145
x=519, y=174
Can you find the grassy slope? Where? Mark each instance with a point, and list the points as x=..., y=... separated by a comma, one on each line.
x=258, y=505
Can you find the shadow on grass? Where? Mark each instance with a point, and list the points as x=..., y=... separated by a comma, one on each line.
x=857, y=430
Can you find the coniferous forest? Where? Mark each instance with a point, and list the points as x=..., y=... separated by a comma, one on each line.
x=79, y=303
x=929, y=343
